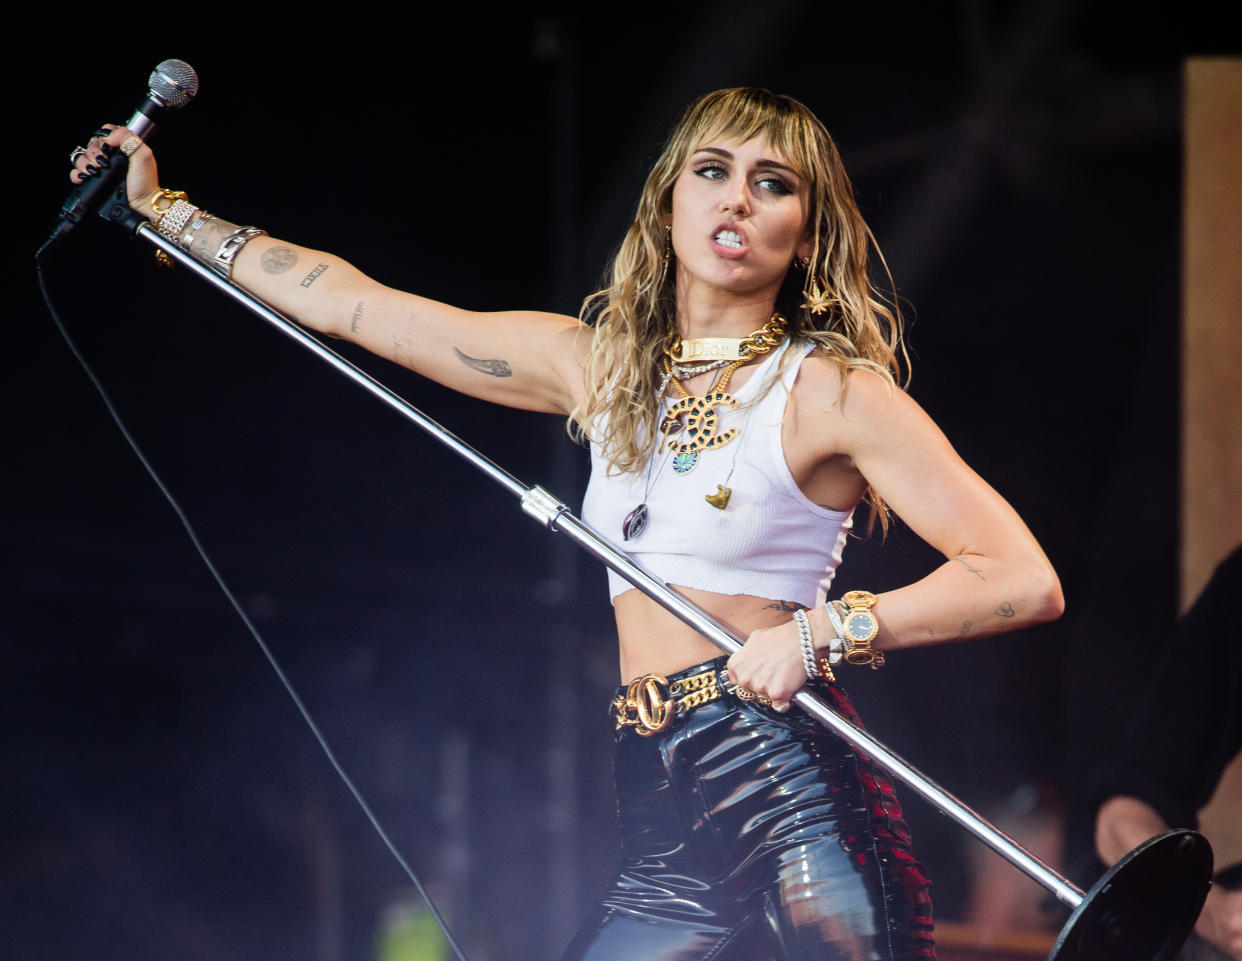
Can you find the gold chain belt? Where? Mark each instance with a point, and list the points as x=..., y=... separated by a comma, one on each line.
x=651, y=702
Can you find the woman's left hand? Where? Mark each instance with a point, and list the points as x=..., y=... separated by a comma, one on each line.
x=770, y=664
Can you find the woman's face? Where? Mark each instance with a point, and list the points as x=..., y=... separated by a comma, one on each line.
x=739, y=218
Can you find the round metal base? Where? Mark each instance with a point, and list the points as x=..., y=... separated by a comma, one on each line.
x=1144, y=906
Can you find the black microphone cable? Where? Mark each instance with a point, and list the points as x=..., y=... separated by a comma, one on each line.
x=241, y=613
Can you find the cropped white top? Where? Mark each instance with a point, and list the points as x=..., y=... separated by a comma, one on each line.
x=770, y=541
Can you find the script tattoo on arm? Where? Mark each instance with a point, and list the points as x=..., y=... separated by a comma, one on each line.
x=313, y=275
x=278, y=260
x=966, y=626
x=1006, y=610
x=974, y=570
x=356, y=320
x=784, y=606
x=493, y=368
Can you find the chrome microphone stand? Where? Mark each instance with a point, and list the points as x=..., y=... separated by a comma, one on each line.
x=1141, y=909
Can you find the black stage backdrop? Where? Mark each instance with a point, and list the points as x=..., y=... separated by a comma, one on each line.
x=1020, y=166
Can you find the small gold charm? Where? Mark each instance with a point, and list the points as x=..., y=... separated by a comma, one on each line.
x=720, y=499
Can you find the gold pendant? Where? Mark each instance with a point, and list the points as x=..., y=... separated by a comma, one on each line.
x=701, y=422
x=720, y=499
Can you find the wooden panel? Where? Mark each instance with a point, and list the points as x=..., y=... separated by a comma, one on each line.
x=1211, y=319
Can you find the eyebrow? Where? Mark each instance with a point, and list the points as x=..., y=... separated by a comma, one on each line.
x=763, y=161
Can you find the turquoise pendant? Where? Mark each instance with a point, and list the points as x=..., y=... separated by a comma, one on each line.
x=684, y=463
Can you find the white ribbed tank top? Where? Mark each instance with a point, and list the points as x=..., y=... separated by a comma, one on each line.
x=770, y=541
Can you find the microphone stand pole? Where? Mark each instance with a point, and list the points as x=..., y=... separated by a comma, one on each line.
x=1142, y=909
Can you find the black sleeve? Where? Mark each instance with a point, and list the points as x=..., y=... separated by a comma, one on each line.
x=1189, y=724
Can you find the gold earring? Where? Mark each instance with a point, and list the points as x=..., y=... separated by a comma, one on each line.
x=668, y=250
x=814, y=299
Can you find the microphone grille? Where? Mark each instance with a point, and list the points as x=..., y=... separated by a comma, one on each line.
x=173, y=84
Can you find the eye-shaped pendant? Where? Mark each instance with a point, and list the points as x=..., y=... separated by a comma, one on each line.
x=635, y=523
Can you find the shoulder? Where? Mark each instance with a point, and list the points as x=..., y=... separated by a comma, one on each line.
x=826, y=386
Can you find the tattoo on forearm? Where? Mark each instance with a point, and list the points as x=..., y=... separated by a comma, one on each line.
x=974, y=570
x=784, y=606
x=356, y=319
x=494, y=368
x=208, y=237
x=313, y=275
x=966, y=626
x=278, y=260
x=401, y=351
x=1006, y=610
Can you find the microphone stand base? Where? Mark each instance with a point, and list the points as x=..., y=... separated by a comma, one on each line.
x=1144, y=907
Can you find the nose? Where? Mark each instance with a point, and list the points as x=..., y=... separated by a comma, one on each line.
x=736, y=200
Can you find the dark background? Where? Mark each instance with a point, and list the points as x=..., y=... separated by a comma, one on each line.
x=1019, y=164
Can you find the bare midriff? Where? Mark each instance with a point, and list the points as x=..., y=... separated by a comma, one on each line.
x=653, y=641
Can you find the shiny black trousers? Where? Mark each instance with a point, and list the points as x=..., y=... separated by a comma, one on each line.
x=747, y=835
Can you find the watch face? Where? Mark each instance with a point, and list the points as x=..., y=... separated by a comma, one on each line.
x=861, y=626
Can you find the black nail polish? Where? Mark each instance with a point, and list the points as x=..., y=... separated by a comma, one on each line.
x=103, y=162
x=106, y=149
x=91, y=169
x=101, y=133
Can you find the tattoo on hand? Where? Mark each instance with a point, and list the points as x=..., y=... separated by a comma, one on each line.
x=278, y=260
x=356, y=319
x=495, y=368
x=313, y=275
x=784, y=606
x=974, y=570
x=1006, y=610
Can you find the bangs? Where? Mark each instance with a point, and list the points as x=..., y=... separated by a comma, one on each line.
x=744, y=113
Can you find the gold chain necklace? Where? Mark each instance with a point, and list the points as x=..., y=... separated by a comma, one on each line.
x=694, y=419
x=730, y=348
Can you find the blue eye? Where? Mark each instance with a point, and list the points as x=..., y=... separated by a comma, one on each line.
x=775, y=185
x=711, y=171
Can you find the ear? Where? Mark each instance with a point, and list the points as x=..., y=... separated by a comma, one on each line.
x=807, y=245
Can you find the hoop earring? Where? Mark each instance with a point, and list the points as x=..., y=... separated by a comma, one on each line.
x=668, y=251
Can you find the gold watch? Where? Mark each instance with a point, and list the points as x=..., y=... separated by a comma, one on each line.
x=860, y=627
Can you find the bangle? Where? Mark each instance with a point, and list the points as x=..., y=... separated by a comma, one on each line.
x=230, y=247
x=837, y=646
x=806, y=640
x=173, y=219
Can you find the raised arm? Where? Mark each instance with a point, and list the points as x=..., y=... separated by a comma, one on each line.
x=524, y=359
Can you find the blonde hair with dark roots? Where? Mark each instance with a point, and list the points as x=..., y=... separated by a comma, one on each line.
x=635, y=315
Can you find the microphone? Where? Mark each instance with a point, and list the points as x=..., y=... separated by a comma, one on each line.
x=172, y=85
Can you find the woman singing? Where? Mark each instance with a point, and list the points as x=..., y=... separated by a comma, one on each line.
x=738, y=382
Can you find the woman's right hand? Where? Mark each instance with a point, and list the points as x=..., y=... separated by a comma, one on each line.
x=101, y=150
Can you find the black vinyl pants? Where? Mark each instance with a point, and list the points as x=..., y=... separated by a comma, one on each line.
x=747, y=835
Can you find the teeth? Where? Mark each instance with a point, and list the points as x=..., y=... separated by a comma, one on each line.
x=729, y=238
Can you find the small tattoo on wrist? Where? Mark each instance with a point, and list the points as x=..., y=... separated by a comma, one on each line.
x=494, y=368
x=1006, y=610
x=278, y=260
x=356, y=319
x=784, y=606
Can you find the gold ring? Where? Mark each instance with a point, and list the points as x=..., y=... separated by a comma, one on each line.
x=130, y=146
x=745, y=693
